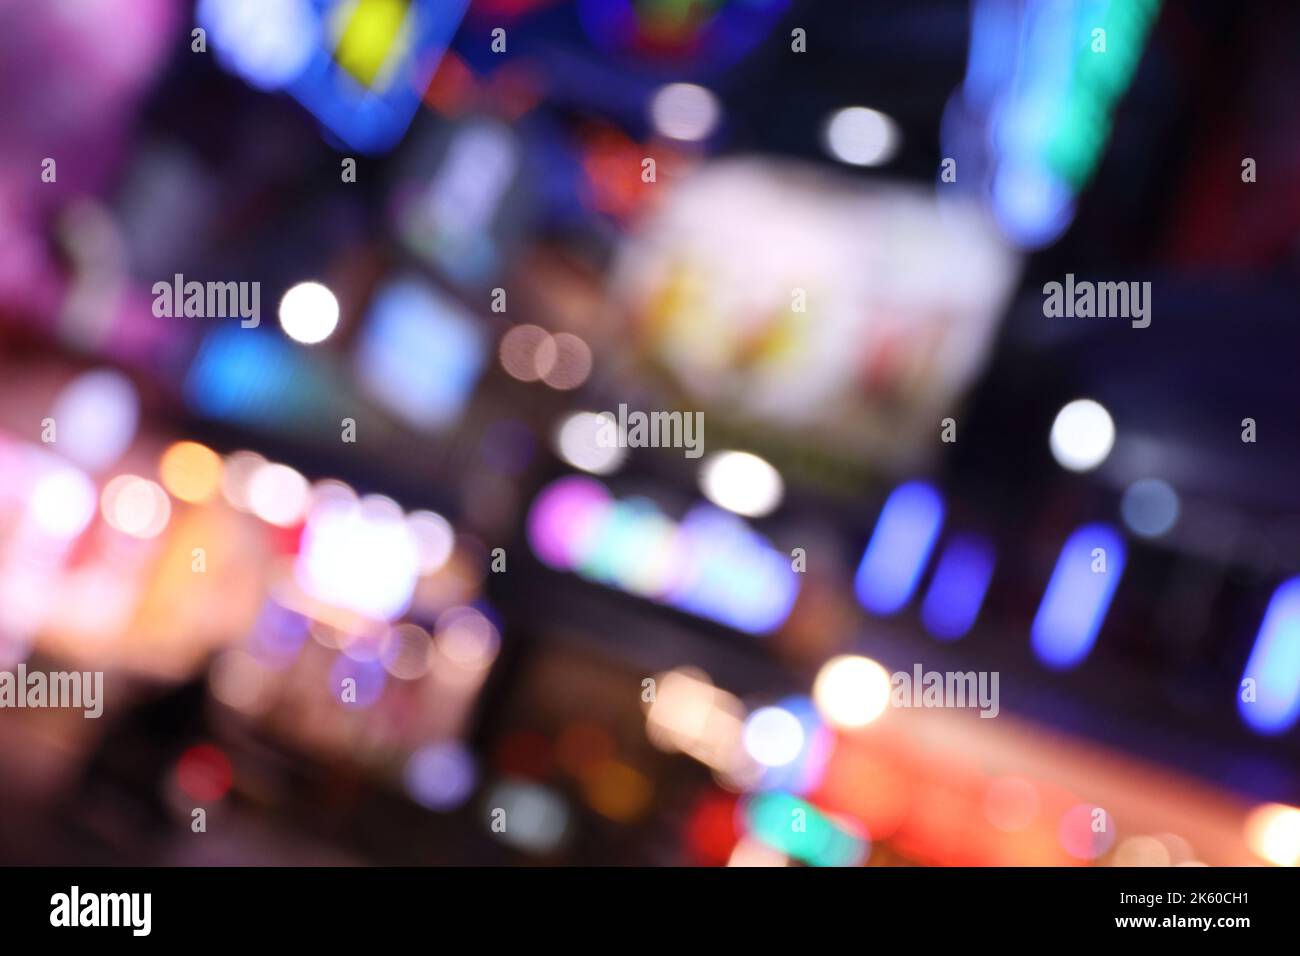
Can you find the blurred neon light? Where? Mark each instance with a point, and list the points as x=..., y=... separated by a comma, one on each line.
x=711, y=564
x=97, y=414
x=255, y=378
x=957, y=591
x=1032, y=204
x=1082, y=125
x=820, y=841
x=457, y=219
x=1041, y=84
x=440, y=776
x=62, y=502
x=136, y=506
x=860, y=136
x=1273, y=833
x=899, y=547
x=1078, y=596
x=359, y=555
x=804, y=771
x=539, y=816
x=851, y=691
x=368, y=33
x=309, y=313
x=991, y=58
x=360, y=66
x=421, y=354
x=774, y=736
x=1274, y=665
x=267, y=42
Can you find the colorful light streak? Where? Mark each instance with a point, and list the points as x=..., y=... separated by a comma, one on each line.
x=360, y=67
x=800, y=830
x=711, y=564
x=1041, y=82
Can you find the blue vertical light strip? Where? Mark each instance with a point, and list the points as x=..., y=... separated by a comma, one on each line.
x=899, y=548
x=994, y=47
x=1078, y=596
x=957, y=591
x=1274, y=665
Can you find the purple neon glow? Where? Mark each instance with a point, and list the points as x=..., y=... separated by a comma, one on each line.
x=440, y=776
x=562, y=518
